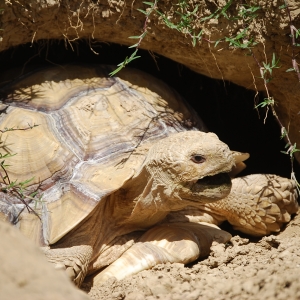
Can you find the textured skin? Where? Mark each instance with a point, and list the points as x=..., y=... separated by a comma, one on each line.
x=115, y=156
x=184, y=244
x=258, y=205
x=74, y=260
x=266, y=202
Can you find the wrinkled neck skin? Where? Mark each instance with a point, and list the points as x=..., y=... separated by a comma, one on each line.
x=146, y=205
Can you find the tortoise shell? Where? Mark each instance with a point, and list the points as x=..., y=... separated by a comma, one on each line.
x=91, y=135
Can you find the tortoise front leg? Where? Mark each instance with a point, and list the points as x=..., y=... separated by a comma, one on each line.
x=258, y=204
x=175, y=243
x=75, y=260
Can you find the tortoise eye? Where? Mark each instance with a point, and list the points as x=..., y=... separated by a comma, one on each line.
x=198, y=159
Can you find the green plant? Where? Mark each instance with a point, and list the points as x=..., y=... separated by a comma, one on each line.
x=295, y=33
x=134, y=55
x=239, y=41
x=267, y=70
x=219, y=12
x=185, y=24
x=247, y=12
x=15, y=188
x=266, y=102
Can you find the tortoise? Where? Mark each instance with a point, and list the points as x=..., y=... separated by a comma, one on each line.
x=129, y=175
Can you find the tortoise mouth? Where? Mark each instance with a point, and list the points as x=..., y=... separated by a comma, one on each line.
x=215, y=180
x=210, y=188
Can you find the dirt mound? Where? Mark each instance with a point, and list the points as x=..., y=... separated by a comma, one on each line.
x=25, y=273
x=266, y=269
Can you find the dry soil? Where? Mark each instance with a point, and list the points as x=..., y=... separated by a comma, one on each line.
x=267, y=268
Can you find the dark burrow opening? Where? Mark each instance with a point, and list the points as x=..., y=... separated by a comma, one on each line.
x=227, y=109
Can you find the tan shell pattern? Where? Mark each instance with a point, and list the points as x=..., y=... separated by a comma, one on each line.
x=89, y=125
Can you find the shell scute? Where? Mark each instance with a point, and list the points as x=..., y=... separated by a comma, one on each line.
x=39, y=154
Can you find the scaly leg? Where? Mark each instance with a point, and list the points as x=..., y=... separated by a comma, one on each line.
x=176, y=242
x=260, y=204
x=257, y=205
x=75, y=260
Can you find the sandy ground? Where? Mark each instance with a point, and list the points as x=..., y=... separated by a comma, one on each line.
x=267, y=268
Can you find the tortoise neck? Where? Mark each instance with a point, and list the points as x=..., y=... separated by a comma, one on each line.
x=143, y=201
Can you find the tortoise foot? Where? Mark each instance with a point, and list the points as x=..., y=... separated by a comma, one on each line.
x=73, y=260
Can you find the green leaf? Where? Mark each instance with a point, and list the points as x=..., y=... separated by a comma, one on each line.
x=275, y=62
x=142, y=11
x=290, y=70
x=26, y=181
x=195, y=10
x=134, y=46
x=210, y=16
x=255, y=8
x=223, y=11
x=134, y=37
x=283, y=6
x=241, y=34
x=217, y=42
x=194, y=41
x=232, y=42
x=224, y=14
x=266, y=102
x=273, y=59
x=117, y=70
x=133, y=58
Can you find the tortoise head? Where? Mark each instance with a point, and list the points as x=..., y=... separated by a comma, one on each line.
x=190, y=167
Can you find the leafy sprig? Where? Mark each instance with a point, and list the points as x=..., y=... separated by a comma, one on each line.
x=15, y=188
x=140, y=38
